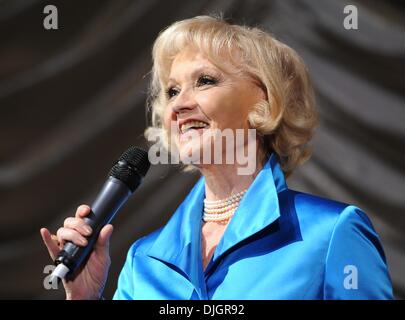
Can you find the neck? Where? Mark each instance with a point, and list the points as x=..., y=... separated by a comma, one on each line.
x=223, y=180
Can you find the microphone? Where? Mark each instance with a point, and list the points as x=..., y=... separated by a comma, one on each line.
x=123, y=179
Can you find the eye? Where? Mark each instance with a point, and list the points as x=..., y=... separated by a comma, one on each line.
x=206, y=80
x=171, y=92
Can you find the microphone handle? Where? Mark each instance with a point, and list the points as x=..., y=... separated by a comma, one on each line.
x=110, y=199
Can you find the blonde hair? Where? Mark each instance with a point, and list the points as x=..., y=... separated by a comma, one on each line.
x=285, y=121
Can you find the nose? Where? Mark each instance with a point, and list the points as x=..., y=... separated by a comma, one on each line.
x=184, y=103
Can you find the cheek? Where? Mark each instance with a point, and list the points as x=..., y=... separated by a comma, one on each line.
x=216, y=104
x=225, y=110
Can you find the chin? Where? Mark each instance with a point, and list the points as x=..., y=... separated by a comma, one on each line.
x=191, y=154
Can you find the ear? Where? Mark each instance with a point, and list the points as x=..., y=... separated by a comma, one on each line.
x=260, y=89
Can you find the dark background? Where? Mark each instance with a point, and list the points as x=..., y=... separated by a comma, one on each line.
x=72, y=99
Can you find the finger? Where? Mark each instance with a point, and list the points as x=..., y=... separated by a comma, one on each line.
x=50, y=244
x=79, y=225
x=54, y=238
x=103, y=241
x=82, y=211
x=65, y=234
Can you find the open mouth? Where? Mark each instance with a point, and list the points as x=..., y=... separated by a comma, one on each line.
x=193, y=125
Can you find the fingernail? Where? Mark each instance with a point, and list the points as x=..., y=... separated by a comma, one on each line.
x=83, y=208
x=83, y=241
x=87, y=229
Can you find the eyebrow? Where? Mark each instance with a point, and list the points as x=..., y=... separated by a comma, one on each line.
x=195, y=72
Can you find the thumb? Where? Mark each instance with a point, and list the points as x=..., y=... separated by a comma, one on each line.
x=103, y=241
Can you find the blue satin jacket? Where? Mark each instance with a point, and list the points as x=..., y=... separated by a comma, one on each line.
x=280, y=244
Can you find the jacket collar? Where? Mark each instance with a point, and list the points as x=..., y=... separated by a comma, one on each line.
x=179, y=242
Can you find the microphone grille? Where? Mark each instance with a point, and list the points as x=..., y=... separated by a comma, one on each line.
x=131, y=167
x=137, y=158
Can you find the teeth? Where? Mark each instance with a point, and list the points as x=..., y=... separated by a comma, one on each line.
x=192, y=124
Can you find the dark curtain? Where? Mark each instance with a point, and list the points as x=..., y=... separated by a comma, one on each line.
x=72, y=99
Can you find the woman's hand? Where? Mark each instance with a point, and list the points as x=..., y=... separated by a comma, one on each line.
x=90, y=280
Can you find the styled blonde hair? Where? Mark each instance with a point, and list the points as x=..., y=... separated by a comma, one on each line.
x=285, y=121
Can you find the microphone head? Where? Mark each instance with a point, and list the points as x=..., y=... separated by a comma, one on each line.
x=131, y=167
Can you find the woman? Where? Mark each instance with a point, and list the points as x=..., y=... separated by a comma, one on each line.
x=236, y=236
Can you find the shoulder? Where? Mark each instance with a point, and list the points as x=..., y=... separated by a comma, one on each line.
x=355, y=266
x=332, y=221
x=333, y=225
x=304, y=201
x=328, y=213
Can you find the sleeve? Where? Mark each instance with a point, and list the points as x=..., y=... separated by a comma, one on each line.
x=125, y=287
x=356, y=267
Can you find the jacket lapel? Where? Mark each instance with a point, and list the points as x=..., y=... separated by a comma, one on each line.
x=179, y=242
x=258, y=208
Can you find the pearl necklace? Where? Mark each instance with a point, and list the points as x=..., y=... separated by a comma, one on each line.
x=222, y=210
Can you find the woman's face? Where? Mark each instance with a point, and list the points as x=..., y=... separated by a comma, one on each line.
x=202, y=98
